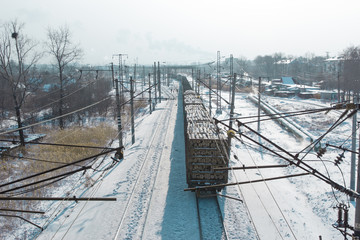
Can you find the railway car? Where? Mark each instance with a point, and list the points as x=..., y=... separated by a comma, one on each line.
x=206, y=148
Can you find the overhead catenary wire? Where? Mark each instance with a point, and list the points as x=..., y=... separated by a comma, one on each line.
x=21, y=211
x=16, y=216
x=272, y=195
x=223, y=145
x=104, y=173
x=57, y=210
x=284, y=116
x=227, y=102
x=304, y=160
x=240, y=192
x=104, y=148
x=56, y=180
x=349, y=136
x=296, y=161
x=17, y=193
x=314, y=160
x=34, y=159
x=79, y=211
x=56, y=168
x=281, y=113
x=54, y=118
x=99, y=179
x=57, y=144
x=45, y=180
x=341, y=148
x=220, y=145
x=67, y=114
x=336, y=124
x=55, y=101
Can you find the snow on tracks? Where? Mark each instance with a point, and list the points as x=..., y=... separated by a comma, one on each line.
x=133, y=221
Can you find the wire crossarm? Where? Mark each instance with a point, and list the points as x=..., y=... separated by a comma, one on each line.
x=293, y=160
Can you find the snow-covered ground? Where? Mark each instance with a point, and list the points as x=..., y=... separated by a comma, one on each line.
x=149, y=184
x=294, y=208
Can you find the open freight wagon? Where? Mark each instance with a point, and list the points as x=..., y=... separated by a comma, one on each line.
x=205, y=147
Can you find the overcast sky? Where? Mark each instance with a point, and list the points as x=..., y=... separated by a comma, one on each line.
x=187, y=31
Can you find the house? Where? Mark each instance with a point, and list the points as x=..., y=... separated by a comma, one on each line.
x=287, y=81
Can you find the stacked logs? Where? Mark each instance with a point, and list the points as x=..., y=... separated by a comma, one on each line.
x=205, y=147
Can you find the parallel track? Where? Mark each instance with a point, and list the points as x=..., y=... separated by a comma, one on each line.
x=211, y=221
x=133, y=220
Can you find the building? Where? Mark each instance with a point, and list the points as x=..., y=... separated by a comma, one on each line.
x=333, y=64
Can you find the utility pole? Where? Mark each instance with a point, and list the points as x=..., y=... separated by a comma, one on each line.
x=197, y=82
x=135, y=76
x=159, y=81
x=232, y=99
x=143, y=78
x=210, y=96
x=121, y=72
x=259, y=102
x=132, y=110
x=127, y=72
x=167, y=75
x=232, y=107
x=218, y=88
x=357, y=206
x=154, y=78
x=192, y=77
x=231, y=74
x=118, y=107
x=165, y=83
x=353, y=149
x=338, y=82
x=150, y=101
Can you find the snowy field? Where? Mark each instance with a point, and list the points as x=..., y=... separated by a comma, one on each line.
x=149, y=184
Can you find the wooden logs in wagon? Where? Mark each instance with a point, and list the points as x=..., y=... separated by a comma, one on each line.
x=206, y=148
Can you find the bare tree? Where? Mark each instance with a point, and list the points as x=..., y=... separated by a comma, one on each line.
x=351, y=70
x=264, y=66
x=242, y=65
x=17, y=61
x=65, y=52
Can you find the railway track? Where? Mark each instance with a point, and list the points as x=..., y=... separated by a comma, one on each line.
x=211, y=221
x=311, y=104
x=133, y=219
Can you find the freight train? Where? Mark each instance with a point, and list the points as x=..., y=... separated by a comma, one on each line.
x=206, y=148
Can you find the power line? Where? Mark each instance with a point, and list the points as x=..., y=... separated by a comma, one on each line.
x=337, y=123
x=281, y=113
x=5, y=215
x=68, y=95
x=20, y=210
x=54, y=199
x=295, y=160
x=57, y=168
x=51, y=119
x=58, y=144
x=281, y=117
x=33, y=159
x=46, y=179
x=246, y=182
x=272, y=195
x=67, y=114
x=37, y=187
